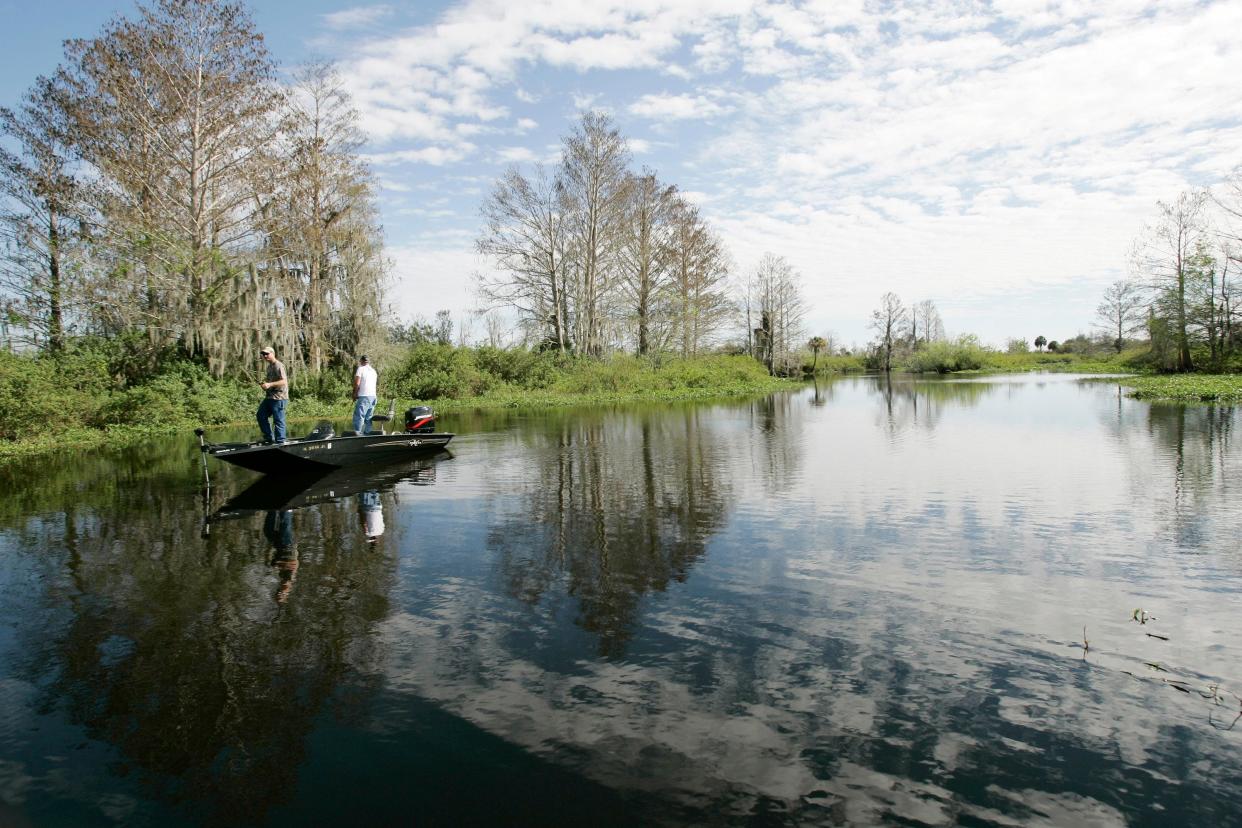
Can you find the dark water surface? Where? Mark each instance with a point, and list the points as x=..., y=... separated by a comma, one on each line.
x=855, y=604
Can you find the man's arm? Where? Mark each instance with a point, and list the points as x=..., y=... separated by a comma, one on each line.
x=357, y=382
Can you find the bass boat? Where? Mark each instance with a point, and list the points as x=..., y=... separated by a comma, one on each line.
x=327, y=485
x=323, y=448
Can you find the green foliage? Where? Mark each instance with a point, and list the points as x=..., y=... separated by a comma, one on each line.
x=522, y=368
x=330, y=385
x=963, y=354
x=431, y=371
x=1210, y=388
x=1030, y=361
x=836, y=364
x=98, y=391
x=64, y=389
x=184, y=394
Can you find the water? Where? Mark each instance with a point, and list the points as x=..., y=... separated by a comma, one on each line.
x=857, y=604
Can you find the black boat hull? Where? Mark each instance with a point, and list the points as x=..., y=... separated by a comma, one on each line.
x=325, y=484
x=297, y=456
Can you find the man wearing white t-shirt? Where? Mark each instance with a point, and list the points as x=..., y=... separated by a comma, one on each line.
x=365, y=380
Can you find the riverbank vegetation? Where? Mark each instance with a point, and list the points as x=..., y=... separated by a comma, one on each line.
x=91, y=391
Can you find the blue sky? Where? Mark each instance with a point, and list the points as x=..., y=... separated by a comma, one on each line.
x=997, y=158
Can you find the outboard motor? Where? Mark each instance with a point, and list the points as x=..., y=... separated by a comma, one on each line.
x=420, y=420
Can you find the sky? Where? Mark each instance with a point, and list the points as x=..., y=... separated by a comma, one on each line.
x=998, y=158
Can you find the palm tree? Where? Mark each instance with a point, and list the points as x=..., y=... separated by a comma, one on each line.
x=1040, y=342
x=816, y=343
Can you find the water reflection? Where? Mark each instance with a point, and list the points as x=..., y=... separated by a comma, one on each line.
x=371, y=512
x=920, y=403
x=1197, y=441
x=619, y=506
x=278, y=528
x=171, y=651
x=859, y=604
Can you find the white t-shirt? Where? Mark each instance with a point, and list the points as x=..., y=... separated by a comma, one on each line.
x=373, y=521
x=367, y=378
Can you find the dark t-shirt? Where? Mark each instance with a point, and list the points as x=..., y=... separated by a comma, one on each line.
x=276, y=371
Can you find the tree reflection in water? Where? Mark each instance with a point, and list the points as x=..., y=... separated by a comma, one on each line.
x=617, y=506
x=1196, y=442
x=172, y=650
x=911, y=402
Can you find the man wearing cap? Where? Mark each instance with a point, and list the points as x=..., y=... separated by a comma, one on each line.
x=365, y=380
x=276, y=396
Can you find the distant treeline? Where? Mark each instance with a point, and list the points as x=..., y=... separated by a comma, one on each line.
x=163, y=182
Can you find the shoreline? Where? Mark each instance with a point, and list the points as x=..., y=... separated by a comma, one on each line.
x=1201, y=389
x=82, y=438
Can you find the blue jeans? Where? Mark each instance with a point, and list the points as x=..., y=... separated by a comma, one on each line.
x=364, y=410
x=276, y=410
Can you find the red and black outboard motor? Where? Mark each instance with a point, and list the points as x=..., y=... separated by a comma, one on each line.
x=420, y=420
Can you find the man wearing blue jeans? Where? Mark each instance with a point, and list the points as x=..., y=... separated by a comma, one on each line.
x=365, y=380
x=276, y=391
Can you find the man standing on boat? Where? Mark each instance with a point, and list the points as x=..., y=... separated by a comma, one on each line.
x=276, y=391
x=365, y=381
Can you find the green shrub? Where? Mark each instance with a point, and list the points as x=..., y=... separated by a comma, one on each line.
x=618, y=374
x=160, y=401
x=963, y=354
x=834, y=364
x=184, y=394
x=432, y=371
x=520, y=367
x=36, y=390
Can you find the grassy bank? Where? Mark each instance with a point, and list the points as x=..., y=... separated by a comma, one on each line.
x=1122, y=363
x=87, y=397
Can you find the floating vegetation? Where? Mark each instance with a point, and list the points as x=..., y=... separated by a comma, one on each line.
x=1205, y=388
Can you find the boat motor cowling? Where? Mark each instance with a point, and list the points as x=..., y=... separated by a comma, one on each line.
x=420, y=419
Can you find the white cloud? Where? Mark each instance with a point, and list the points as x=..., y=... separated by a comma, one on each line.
x=513, y=155
x=660, y=107
x=428, y=278
x=939, y=149
x=357, y=17
x=584, y=102
x=436, y=156
x=394, y=186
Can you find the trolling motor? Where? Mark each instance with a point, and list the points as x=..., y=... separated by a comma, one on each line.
x=420, y=420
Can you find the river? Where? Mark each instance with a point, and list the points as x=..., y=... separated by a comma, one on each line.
x=1000, y=601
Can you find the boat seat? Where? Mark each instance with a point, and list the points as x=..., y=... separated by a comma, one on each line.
x=322, y=430
x=384, y=418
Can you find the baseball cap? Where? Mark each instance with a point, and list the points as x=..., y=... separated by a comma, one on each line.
x=265, y=350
